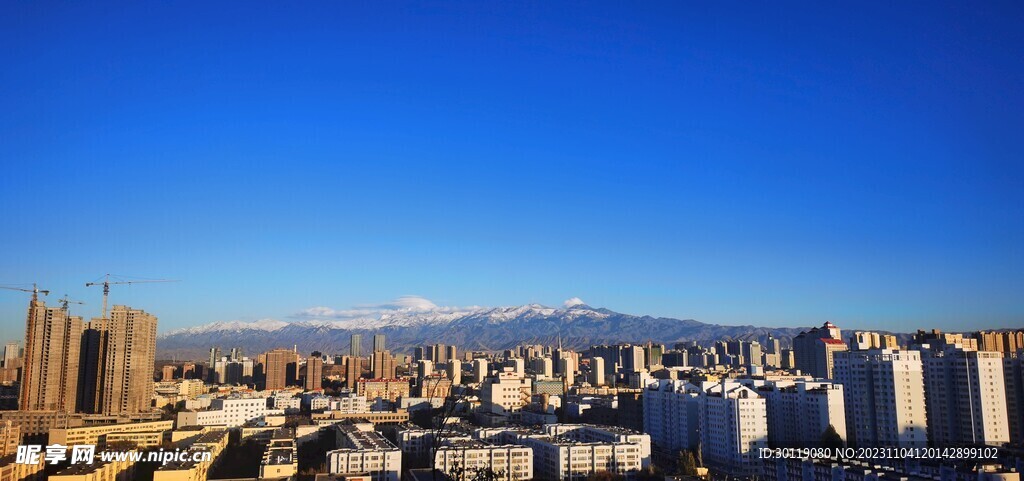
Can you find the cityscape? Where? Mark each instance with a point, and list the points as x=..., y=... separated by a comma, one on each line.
x=824, y=403
x=511, y=241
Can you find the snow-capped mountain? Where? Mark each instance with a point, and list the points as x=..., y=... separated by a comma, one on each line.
x=475, y=328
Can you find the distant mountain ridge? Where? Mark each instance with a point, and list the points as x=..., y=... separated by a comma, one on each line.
x=474, y=328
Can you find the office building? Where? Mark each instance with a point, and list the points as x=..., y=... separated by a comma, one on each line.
x=378, y=342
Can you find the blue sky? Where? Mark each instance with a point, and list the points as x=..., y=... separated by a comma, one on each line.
x=767, y=163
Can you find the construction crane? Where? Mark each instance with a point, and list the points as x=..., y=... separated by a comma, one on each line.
x=65, y=301
x=107, y=283
x=34, y=290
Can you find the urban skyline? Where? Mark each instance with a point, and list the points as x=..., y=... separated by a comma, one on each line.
x=512, y=241
x=633, y=410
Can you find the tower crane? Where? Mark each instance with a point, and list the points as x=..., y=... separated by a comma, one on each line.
x=65, y=301
x=35, y=290
x=107, y=283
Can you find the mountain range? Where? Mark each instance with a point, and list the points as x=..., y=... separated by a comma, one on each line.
x=576, y=325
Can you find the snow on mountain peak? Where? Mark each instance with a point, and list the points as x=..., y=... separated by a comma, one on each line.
x=573, y=302
x=406, y=311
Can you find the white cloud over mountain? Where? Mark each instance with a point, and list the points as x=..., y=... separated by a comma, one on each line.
x=573, y=301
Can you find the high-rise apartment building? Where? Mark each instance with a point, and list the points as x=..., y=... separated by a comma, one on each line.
x=966, y=397
x=937, y=340
x=314, y=373
x=799, y=412
x=883, y=390
x=863, y=341
x=378, y=342
x=276, y=367
x=353, y=371
x=10, y=353
x=214, y=357
x=633, y=359
x=733, y=427
x=814, y=350
x=454, y=371
x=129, y=354
x=1006, y=342
x=1013, y=379
x=670, y=414
x=356, y=345
x=50, y=374
x=382, y=365
x=597, y=371
x=505, y=392
x=479, y=370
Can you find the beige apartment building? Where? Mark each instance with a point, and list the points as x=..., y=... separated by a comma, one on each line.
x=50, y=373
x=98, y=471
x=127, y=376
x=99, y=434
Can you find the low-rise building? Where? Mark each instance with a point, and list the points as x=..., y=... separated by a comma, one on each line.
x=99, y=470
x=231, y=412
x=12, y=471
x=364, y=451
x=328, y=418
x=558, y=459
x=142, y=432
x=280, y=459
x=461, y=460
x=589, y=433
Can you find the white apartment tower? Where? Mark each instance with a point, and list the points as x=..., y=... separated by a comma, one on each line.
x=966, y=397
x=884, y=394
x=733, y=427
x=800, y=412
x=671, y=414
